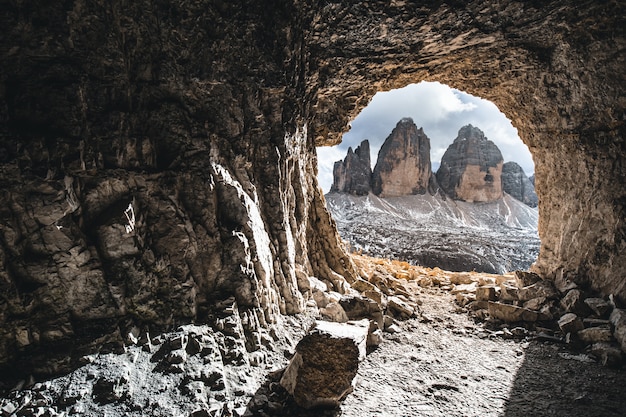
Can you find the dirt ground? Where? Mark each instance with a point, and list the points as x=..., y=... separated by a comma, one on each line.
x=445, y=364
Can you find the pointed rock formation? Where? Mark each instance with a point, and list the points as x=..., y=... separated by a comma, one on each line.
x=471, y=168
x=403, y=165
x=353, y=175
x=517, y=184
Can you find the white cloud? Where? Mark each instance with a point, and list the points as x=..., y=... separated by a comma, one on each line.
x=440, y=110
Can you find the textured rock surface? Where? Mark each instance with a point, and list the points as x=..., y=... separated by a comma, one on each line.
x=326, y=361
x=471, y=167
x=147, y=173
x=403, y=164
x=353, y=175
x=203, y=117
x=517, y=184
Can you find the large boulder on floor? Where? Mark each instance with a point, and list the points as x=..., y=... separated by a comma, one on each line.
x=322, y=371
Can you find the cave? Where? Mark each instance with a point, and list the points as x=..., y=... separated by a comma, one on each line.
x=204, y=117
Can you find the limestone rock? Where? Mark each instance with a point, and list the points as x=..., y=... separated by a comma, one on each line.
x=595, y=335
x=353, y=175
x=618, y=321
x=334, y=312
x=573, y=302
x=510, y=313
x=516, y=183
x=326, y=361
x=471, y=167
x=403, y=164
x=524, y=279
x=570, y=323
x=539, y=289
x=599, y=306
x=486, y=293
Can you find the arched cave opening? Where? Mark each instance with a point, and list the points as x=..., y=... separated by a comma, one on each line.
x=392, y=196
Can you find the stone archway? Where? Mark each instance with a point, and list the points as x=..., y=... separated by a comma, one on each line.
x=553, y=69
x=203, y=117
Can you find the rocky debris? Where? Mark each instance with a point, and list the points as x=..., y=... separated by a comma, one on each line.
x=570, y=323
x=322, y=371
x=471, y=167
x=510, y=313
x=403, y=165
x=435, y=231
x=618, y=321
x=516, y=183
x=353, y=175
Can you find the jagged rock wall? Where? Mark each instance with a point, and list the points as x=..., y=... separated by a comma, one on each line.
x=353, y=175
x=471, y=167
x=203, y=116
x=516, y=183
x=556, y=69
x=148, y=171
x=403, y=163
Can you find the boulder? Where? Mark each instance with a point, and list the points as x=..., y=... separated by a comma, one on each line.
x=400, y=308
x=539, y=289
x=508, y=291
x=573, y=303
x=334, y=312
x=595, y=335
x=599, y=306
x=471, y=168
x=511, y=313
x=618, y=321
x=486, y=293
x=359, y=307
x=524, y=279
x=322, y=371
x=570, y=323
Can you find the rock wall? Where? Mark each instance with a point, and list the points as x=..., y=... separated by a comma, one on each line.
x=403, y=164
x=353, y=175
x=148, y=172
x=471, y=168
x=200, y=119
x=516, y=183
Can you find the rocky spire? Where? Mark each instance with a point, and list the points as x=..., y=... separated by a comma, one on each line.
x=353, y=174
x=403, y=165
x=518, y=185
x=471, y=167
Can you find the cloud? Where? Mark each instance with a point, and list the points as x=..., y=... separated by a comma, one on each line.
x=440, y=110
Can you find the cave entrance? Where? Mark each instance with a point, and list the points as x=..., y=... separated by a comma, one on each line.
x=443, y=181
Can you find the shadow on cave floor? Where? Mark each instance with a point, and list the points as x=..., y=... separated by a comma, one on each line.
x=553, y=382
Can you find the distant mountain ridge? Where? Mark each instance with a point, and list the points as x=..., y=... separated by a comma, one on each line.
x=471, y=169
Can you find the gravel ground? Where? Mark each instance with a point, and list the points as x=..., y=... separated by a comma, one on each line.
x=446, y=365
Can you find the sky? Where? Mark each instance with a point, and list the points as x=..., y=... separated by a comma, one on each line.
x=440, y=110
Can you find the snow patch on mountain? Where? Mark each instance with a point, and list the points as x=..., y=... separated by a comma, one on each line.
x=495, y=237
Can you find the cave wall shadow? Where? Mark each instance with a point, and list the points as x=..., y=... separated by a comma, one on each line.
x=554, y=381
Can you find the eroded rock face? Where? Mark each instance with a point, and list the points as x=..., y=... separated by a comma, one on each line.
x=518, y=185
x=148, y=173
x=471, y=167
x=403, y=164
x=353, y=175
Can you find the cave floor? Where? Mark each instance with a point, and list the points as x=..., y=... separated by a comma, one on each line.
x=445, y=364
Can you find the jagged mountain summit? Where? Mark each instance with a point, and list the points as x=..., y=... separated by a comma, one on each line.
x=489, y=223
x=518, y=185
x=471, y=167
x=353, y=175
x=403, y=164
